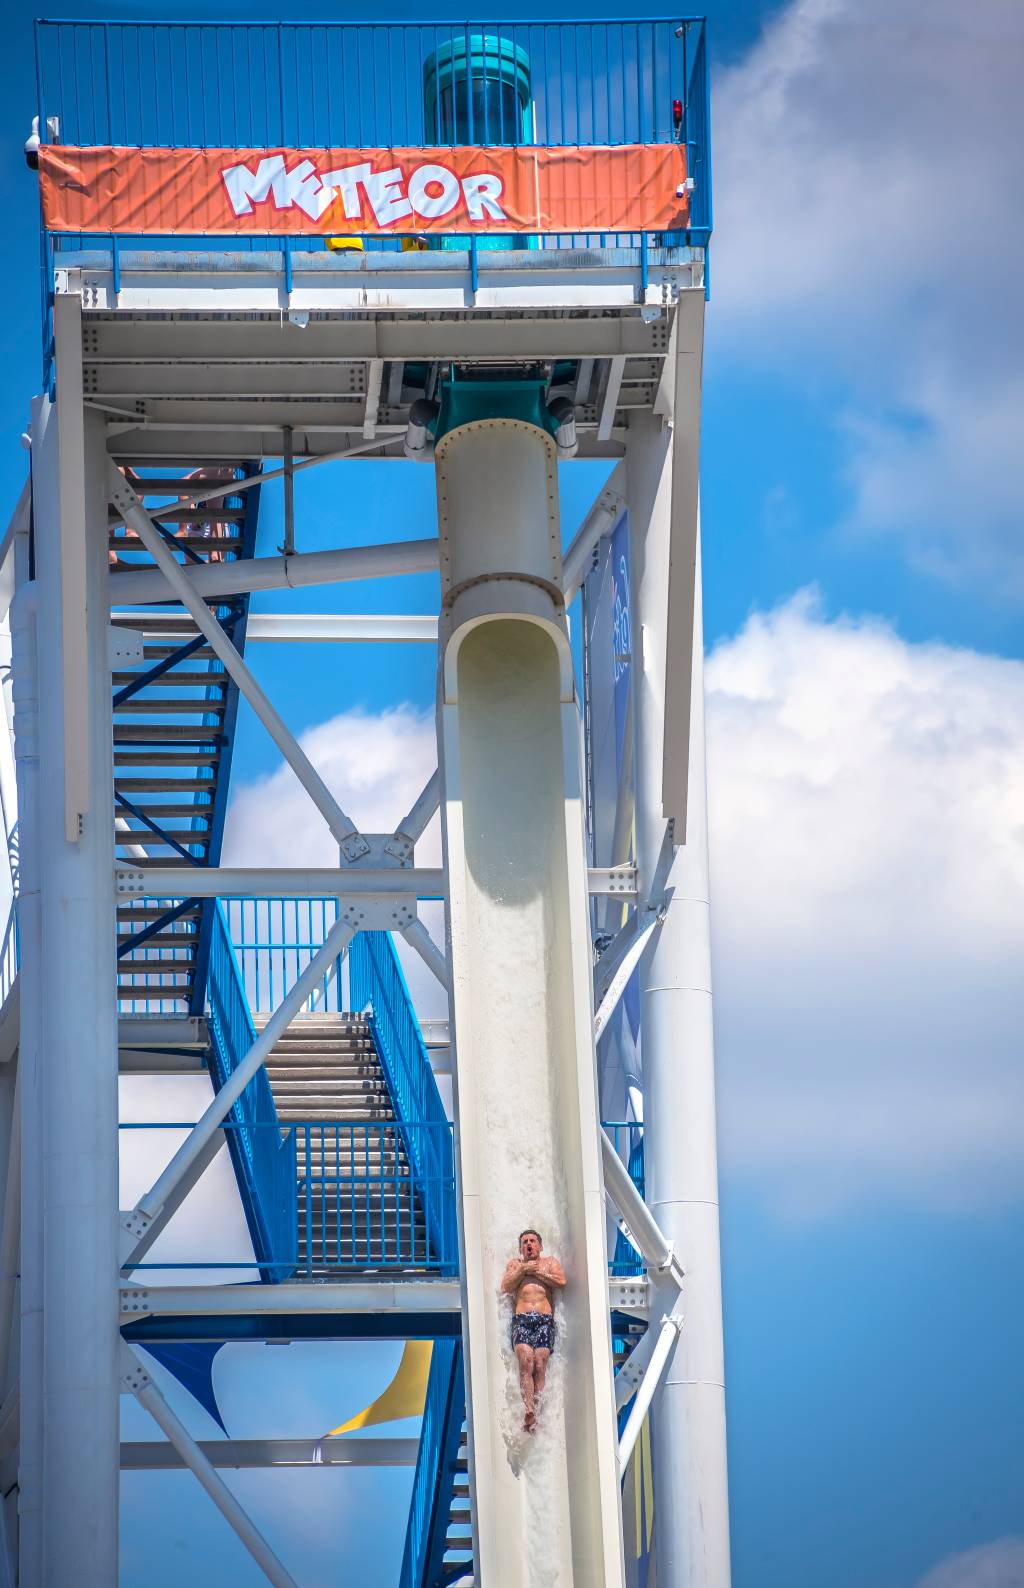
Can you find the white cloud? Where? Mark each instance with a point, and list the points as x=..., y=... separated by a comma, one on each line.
x=867, y=814
x=997, y=1565
x=867, y=227
x=867, y=832
x=376, y=766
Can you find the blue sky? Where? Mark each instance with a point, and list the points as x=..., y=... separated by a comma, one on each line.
x=861, y=445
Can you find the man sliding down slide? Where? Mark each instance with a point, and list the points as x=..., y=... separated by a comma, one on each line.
x=532, y=1280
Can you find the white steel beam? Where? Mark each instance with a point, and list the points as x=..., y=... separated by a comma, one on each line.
x=137, y=1381
x=180, y=882
x=436, y=1033
x=344, y=830
x=661, y=1352
x=215, y=493
x=331, y=627
x=349, y=1450
x=288, y=548
x=274, y=573
x=157, y=1061
x=10, y=1235
x=421, y=882
x=413, y=825
x=387, y=336
x=291, y=1297
x=377, y=281
x=18, y=524
x=31, y=1043
x=373, y=379
x=619, y=980
x=162, y=1031
x=79, y=1141
x=149, y=1207
x=417, y=936
x=347, y=1297
x=655, y=1247
x=610, y=400
x=681, y=1172
x=679, y=562
x=71, y=553
x=600, y=521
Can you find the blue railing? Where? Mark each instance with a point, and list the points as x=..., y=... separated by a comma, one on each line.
x=341, y=84
x=275, y=939
x=378, y=84
x=263, y=1155
x=443, y=1413
x=628, y=1139
x=362, y=1199
x=378, y=985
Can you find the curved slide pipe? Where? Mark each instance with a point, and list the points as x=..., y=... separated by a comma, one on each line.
x=546, y=1506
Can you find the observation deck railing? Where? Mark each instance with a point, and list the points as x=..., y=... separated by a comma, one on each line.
x=363, y=85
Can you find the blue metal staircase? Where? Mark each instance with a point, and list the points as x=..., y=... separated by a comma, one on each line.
x=174, y=725
x=341, y=1147
x=438, y=1540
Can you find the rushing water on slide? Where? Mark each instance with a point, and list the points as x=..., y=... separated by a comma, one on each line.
x=521, y=1101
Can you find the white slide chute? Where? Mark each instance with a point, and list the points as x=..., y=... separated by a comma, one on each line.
x=545, y=1505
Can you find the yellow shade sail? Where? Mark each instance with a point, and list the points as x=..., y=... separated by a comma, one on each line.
x=404, y=1396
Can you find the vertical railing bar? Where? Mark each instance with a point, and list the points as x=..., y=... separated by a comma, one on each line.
x=323, y=1196
x=366, y=1196
x=309, y=1230
x=352, y=1193
x=337, y=1195
x=280, y=84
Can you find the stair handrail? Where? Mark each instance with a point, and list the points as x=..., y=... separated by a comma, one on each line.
x=378, y=986
x=264, y=1159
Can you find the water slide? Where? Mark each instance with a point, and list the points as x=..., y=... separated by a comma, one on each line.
x=546, y=1504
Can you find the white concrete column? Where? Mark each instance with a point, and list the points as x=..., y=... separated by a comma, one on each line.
x=30, y=1288
x=80, y=1183
x=691, y=1511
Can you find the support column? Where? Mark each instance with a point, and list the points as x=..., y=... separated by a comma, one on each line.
x=691, y=1510
x=30, y=1040
x=80, y=1181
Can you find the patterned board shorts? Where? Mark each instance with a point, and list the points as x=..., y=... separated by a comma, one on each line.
x=536, y=1329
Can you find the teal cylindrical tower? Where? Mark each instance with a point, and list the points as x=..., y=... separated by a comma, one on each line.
x=476, y=90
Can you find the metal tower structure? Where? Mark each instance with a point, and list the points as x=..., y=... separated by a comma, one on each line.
x=274, y=247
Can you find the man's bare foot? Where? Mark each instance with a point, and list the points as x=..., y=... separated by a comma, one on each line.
x=530, y=1422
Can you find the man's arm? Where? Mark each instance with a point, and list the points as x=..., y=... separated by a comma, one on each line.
x=552, y=1271
x=510, y=1278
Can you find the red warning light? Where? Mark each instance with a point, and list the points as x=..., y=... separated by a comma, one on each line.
x=677, y=114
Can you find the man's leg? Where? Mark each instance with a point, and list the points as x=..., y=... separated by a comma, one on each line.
x=524, y=1356
x=540, y=1368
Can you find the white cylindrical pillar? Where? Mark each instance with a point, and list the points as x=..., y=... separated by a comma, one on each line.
x=691, y=1510
x=30, y=1292
x=80, y=1180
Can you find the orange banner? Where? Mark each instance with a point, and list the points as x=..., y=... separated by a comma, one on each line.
x=364, y=192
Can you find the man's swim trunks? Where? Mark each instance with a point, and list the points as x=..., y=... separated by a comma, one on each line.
x=536, y=1329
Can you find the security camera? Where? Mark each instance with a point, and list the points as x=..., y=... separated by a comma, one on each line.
x=32, y=146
